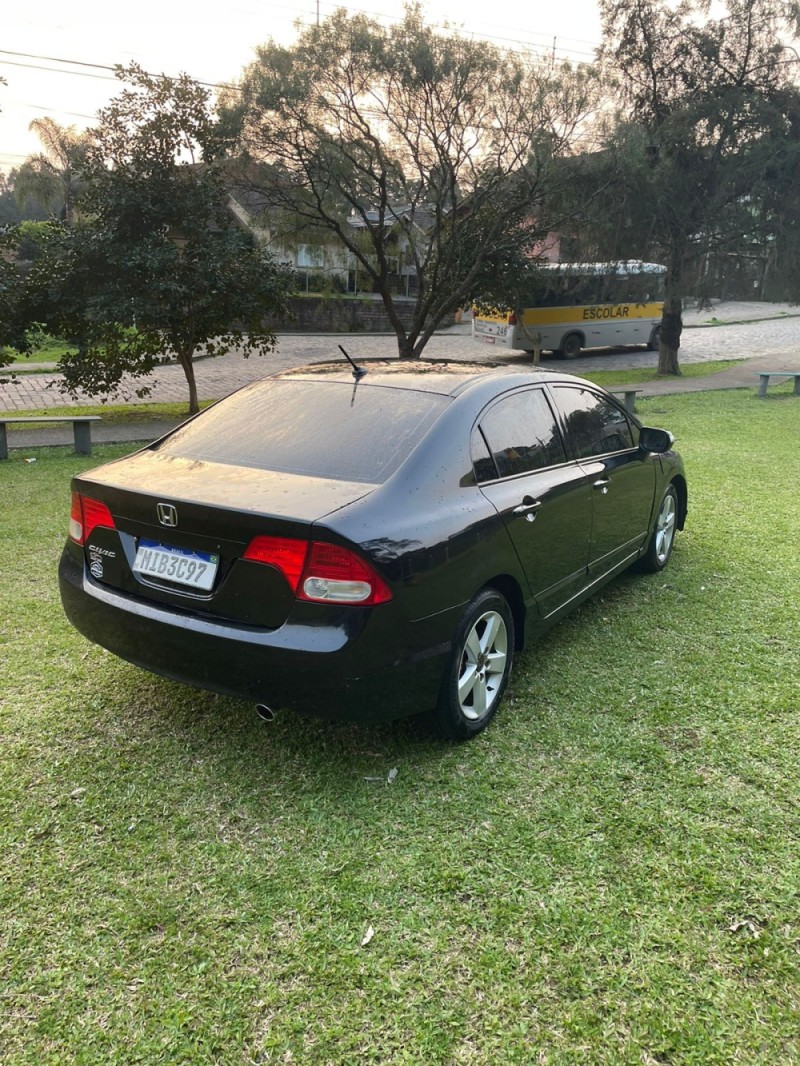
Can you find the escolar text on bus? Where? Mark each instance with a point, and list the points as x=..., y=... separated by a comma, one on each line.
x=606, y=312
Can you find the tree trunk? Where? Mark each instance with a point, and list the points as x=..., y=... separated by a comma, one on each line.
x=537, y=347
x=671, y=323
x=405, y=349
x=185, y=359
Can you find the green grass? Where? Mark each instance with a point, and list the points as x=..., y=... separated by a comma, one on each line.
x=713, y=321
x=610, y=378
x=47, y=350
x=608, y=875
x=50, y=351
x=116, y=414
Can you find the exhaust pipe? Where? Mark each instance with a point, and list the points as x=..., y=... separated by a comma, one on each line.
x=266, y=714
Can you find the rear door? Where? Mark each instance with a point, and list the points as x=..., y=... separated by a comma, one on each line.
x=545, y=500
x=601, y=437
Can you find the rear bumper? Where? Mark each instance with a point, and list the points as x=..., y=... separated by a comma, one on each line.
x=345, y=663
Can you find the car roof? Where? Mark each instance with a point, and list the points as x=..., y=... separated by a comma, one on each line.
x=447, y=378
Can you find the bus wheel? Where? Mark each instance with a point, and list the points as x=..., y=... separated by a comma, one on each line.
x=571, y=346
x=652, y=344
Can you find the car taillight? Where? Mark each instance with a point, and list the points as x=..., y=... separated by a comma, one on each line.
x=321, y=572
x=512, y=318
x=86, y=514
x=284, y=553
x=335, y=575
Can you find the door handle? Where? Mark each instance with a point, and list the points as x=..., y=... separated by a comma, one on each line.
x=602, y=484
x=527, y=506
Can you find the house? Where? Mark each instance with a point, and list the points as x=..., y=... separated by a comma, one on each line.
x=323, y=263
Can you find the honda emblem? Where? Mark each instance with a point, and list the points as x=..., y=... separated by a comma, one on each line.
x=167, y=515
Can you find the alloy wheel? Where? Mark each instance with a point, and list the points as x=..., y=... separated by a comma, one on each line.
x=665, y=528
x=483, y=665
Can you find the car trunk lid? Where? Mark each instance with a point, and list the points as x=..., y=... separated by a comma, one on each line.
x=181, y=540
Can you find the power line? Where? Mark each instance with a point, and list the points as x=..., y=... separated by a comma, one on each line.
x=111, y=76
x=547, y=44
x=39, y=107
x=54, y=59
x=89, y=69
x=56, y=70
x=81, y=63
x=516, y=39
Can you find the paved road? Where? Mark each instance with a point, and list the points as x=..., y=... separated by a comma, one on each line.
x=775, y=341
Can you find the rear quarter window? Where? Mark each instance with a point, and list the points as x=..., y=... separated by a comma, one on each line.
x=333, y=430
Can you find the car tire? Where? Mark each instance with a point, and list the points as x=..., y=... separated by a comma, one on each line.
x=478, y=669
x=662, y=539
x=571, y=346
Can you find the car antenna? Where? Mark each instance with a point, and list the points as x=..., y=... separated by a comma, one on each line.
x=358, y=372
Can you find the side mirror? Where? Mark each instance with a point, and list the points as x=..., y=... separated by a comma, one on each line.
x=655, y=440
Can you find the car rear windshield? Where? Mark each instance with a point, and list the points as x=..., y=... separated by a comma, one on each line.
x=334, y=430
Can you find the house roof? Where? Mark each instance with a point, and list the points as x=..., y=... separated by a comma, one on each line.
x=419, y=215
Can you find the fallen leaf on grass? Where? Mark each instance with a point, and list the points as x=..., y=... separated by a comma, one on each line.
x=365, y=939
x=389, y=779
x=745, y=923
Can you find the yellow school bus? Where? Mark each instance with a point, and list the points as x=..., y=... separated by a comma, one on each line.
x=581, y=305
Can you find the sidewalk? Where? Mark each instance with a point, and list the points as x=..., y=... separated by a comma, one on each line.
x=736, y=312
x=218, y=377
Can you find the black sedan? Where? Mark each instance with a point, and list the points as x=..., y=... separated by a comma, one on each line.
x=369, y=544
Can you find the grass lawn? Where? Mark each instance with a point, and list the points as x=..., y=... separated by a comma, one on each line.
x=608, y=875
x=114, y=414
x=635, y=376
x=49, y=350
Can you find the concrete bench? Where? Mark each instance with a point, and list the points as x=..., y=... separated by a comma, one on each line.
x=81, y=429
x=765, y=375
x=630, y=397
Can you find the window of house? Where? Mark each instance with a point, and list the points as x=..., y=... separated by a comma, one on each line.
x=310, y=255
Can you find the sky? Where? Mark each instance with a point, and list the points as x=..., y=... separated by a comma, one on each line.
x=47, y=50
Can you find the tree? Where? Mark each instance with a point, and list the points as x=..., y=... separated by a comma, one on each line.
x=704, y=115
x=11, y=336
x=407, y=142
x=51, y=177
x=779, y=201
x=157, y=266
x=10, y=212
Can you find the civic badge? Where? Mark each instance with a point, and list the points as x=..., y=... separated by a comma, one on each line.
x=167, y=515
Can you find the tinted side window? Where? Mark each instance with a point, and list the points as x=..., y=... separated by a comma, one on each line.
x=522, y=433
x=595, y=425
x=482, y=462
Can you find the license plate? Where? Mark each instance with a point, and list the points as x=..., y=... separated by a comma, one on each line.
x=197, y=570
x=488, y=340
